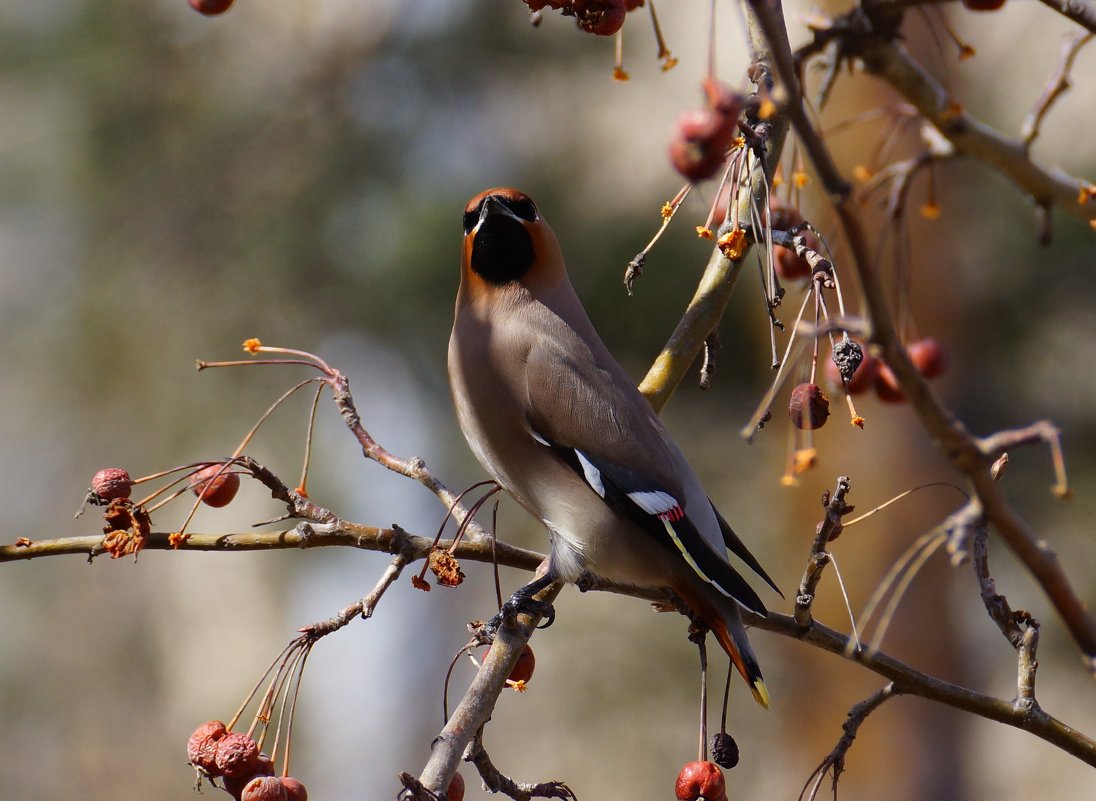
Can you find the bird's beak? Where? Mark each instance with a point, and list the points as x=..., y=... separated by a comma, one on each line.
x=492, y=205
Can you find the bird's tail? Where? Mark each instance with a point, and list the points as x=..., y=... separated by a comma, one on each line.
x=722, y=616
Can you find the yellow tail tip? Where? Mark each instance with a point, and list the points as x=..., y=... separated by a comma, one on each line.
x=760, y=692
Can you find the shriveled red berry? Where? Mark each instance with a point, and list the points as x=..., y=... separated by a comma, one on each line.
x=111, y=483
x=294, y=790
x=263, y=788
x=201, y=748
x=863, y=377
x=724, y=750
x=600, y=17
x=983, y=5
x=700, y=780
x=210, y=8
x=455, y=792
x=886, y=385
x=222, y=488
x=808, y=407
x=237, y=755
x=928, y=356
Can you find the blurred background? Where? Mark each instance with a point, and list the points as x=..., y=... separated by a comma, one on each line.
x=171, y=185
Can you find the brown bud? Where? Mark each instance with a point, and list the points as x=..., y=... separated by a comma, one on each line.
x=808, y=407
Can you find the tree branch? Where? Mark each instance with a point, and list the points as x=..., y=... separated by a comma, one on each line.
x=891, y=62
x=949, y=434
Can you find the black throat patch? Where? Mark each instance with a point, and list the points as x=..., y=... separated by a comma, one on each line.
x=502, y=250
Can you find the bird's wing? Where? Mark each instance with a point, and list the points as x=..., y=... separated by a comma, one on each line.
x=594, y=419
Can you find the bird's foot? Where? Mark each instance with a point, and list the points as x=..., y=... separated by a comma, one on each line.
x=524, y=600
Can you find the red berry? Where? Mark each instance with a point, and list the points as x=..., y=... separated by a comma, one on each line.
x=201, y=748
x=699, y=145
x=808, y=407
x=455, y=792
x=601, y=17
x=700, y=780
x=886, y=385
x=237, y=755
x=698, y=148
x=523, y=668
x=222, y=488
x=294, y=790
x=263, y=788
x=210, y=8
x=928, y=356
x=111, y=483
x=983, y=5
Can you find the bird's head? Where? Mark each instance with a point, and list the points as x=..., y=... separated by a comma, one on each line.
x=506, y=240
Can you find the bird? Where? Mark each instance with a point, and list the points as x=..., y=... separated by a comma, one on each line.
x=559, y=425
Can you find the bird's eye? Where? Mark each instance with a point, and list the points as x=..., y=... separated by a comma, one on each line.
x=521, y=206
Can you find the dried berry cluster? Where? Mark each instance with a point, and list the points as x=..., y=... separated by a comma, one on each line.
x=927, y=355
x=600, y=17
x=234, y=757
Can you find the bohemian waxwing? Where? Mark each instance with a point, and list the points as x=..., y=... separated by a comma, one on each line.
x=560, y=426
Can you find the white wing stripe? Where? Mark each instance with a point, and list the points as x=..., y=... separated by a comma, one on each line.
x=593, y=475
x=653, y=502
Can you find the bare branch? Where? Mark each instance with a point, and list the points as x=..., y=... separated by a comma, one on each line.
x=474, y=710
x=829, y=529
x=1059, y=84
x=351, y=535
x=1046, y=186
x=497, y=782
x=910, y=681
x=835, y=760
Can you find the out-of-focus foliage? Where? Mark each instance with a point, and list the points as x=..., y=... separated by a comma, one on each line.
x=172, y=184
